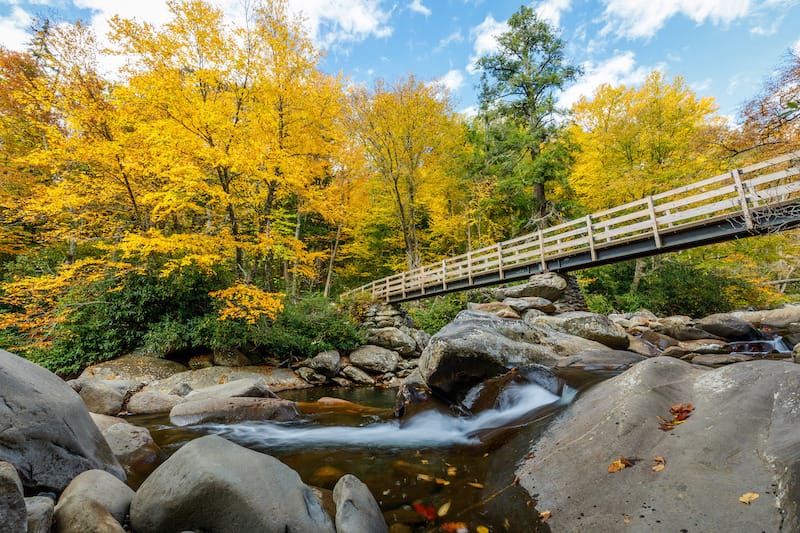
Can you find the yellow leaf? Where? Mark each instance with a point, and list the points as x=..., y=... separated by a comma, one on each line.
x=424, y=477
x=748, y=497
x=482, y=529
x=475, y=485
x=442, y=481
x=544, y=516
x=451, y=471
x=444, y=509
x=658, y=468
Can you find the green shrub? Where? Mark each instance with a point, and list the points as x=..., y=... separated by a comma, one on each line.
x=434, y=314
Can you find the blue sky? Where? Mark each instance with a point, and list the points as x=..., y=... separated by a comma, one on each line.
x=723, y=48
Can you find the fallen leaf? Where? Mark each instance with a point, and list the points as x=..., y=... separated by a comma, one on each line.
x=482, y=529
x=455, y=527
x=443, y=509
x=544, y=516
x=424, y=477
x=658, y=468
x=619, y=464
x=451, y=471
x=475, y=485
x=626, y=519
x=427, y=511
x=424, y=461
x=748, y=497
x=516, y=481
x=441, y=481
x=660, y=464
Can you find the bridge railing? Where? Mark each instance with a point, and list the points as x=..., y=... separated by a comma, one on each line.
x=741, y=192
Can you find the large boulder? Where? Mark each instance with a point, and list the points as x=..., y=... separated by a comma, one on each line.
x=375, y=359
x=478, y=345
x=276, y=379
x=134, y=368
x=710, y=461
x=134, y=448
x=588, y=325
x=152, y=401
x=601, y=362
x=232, y=410
x=393, y=339
x=681, y=328
x=40, y=514
x=356, y=375
x=356, y=508
x=327, y=363
x=13, y=514
x=240, y=388
x=93, y=502
x=226, y=488
x=549, y=285
x=728, y=327
x=104, y=396
x=45, y=429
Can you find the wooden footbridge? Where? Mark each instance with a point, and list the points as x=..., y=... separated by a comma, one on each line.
x=755, y=200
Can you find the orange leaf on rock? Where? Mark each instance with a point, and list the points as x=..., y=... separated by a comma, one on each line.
x=544, y=516
x=619, y=464
x=455, y=527
x=427, y=511
x=748, y=497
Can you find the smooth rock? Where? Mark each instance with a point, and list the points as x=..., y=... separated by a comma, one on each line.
x=598, y=361
x=549, y=286
x=90, y=500
x=276, y=379
x=598, y=328
x=239, y=388
x=356, y=375
x=311, y=376
x=226, y=488
x=741, y=437
x=700, y=346
x=134, y=368
x=40, y=514
x=229, y=357
x=728, y=327
x=374, y=359
x=681, y=328
x=327, y=363
x=719, y=359
x=422, y=338
x=13, y=515
x=520, y=305
x=393, y=339
x=133, y=446
x=45, y=428
x=152, y=401
x=105, y=397
x=232, y=410
x=356, y=508
x=104, y=422
x=775, y=319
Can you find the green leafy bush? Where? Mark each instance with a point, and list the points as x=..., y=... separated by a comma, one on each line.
x=434, y=314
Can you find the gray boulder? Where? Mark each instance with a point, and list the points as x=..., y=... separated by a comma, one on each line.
x=93, y=501
x=715, y=360
x=327, y=363
x=45, y=429
x=152, y=401
x=226, y=488
x=422, y=338
x=741, y=437
x=525, y=303
x=356, y=375
x=548, y=285
x=104, y=422
x=588, y=325
x=356, y=508
x=40, y=514
x=598, y=362
x=134, y=368
x=375, y=359
x=231, y=410
x=681, y=328
x=13, y=514
x=311, y=376
x=276, y=379
x=728, y=327
x=229, y=357
x=133, y=446
x=104, y=396
x=393, y=339
x=240, y=388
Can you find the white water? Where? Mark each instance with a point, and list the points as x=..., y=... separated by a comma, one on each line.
x=428, y=429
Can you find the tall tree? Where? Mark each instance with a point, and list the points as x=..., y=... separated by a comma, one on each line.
x=519, y=85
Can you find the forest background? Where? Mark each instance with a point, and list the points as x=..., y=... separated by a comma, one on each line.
x=219, y=188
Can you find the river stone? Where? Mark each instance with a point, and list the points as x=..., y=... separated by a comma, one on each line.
x=226, y=488
x=590, y=326
x=525, y=303
x=728, y=327
x=229, y=357
x=356, y=508
x=311, y=376
x=152, y=401
x=421, y=338
x=773, y=318
x=598, y=361
x=240, y=388
x=327, y=363
x=701, y=346
x=548, y=285
x=40, y=514
x=658, y=340
x=276, y=379
x=392, y=339
x=13, y=516
x=105, y=397
x=357, y=375
x=134, y=368
x=681, y=328
x=232, y=410
x=104, y=422
x=92, y=487
x=374, y=359
x=796, y=353
x=710, y=459
x=133, y=446
x=45, y=429
x=719, y=359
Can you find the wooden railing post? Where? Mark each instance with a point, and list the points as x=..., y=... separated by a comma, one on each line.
x=591, y=237
x=403, y=283
x=541, y=250
x=469, y=266
x=387, y=289
x=500, y=261
x=656, y=235
x=444, y=274
x=748, y=216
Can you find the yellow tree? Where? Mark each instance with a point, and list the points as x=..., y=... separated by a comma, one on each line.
x=409, y=133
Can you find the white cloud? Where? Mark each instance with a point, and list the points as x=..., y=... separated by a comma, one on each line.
x=454, y=37
x=642, y=19
x=13, y=29
x=550, y=10
x=484, y=37
x=617, y=70
x=333, y=22
x=416, y=5
x=796, y=48
x=452, y=81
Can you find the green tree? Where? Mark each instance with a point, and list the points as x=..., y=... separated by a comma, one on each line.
x=519, y=85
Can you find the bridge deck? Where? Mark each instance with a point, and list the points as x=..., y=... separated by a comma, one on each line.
x=758, y=199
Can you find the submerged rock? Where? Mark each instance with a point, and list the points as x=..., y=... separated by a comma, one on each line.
x=741, y=437
x=356, y=508
x=232, y=410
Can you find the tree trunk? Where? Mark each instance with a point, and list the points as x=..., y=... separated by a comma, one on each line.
x=334, y=251
x=541, y=204
x=638, y=273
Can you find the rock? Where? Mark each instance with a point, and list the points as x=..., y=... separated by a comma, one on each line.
x=658, y=340
x=478, y=345
x=728, y=327
x=229, y=357
x=637, y=345
x=710, y=459
x=598, y=362
x=311, y=376
x=104, y=422
x=151, y=401
x=199, y=362
x=549, y=285
x=775, y=319
x=232, y=410
x=240, y=388
x=134, y=448
x=520, y=305
x=134, y=368
x=422, y=338
x=719, y=359
x=105, y=397
x=40, y=514
x=181, y=389
x=374, y=359
x=344, y=382
x=276, y=379
x=327, y=363
x=681, y=328
x=590, y=326
x=13, y=516
x=796, y=353
x=700, y=346
x=226, y=488
x=356, y=375
x=45, y=429
x=496, y=308
x=356, y=508
x=392, y=339
x=93, y=501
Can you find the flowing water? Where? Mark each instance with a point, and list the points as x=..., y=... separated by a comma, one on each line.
x=430, y=464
